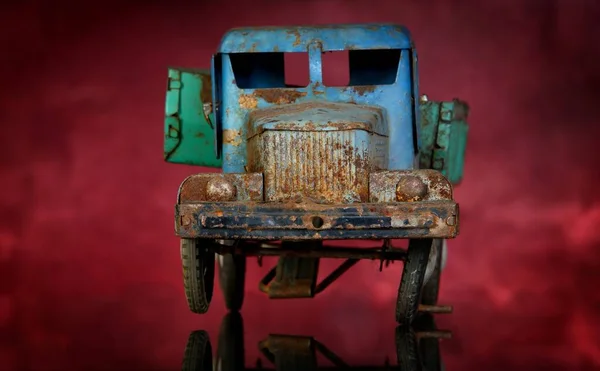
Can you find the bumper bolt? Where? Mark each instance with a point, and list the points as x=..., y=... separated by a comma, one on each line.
x=410, y=188
x=220, y=189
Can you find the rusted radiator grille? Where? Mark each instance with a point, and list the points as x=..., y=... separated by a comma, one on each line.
x=327, y=166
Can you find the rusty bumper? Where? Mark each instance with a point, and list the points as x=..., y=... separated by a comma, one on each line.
x=277, y=221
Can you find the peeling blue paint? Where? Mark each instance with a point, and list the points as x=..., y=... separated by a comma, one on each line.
x=332, y=37
x=398, y=100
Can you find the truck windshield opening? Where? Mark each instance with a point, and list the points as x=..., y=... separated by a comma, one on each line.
x=270, y=70
x=339, y=68
x=360, y=67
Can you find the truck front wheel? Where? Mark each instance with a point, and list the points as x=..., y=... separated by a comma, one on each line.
x=198, y=262
x=413, y=280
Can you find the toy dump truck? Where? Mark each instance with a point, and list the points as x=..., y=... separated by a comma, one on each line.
x=305, y=163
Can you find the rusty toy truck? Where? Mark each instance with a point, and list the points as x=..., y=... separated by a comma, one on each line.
x=303, y=164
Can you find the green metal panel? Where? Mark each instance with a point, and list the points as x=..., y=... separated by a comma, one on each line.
x=444, y=137
x=189, y=131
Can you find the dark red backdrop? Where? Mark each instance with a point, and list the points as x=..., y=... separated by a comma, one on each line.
x=91, y=276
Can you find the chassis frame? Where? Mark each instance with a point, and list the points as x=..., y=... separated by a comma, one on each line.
x=235, y=225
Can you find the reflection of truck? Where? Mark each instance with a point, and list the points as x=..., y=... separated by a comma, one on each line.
x=417, y=348
x=309, y=163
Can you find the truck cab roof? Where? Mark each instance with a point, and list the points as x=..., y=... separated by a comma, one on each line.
x=332, y=37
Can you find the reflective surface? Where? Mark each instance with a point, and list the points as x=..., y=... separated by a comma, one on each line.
x=417, y=348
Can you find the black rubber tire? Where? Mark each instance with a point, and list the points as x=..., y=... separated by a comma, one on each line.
x=431, y=290
x=198, y=262
x=411, y=284
x=232, y=280
x=198, y=353
x=230, y=351
x=407, y=349
x=429, y=348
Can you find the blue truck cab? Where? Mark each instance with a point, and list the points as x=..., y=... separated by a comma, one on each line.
x=315, y=161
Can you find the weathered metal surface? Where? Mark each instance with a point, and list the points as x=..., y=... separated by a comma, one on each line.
x=394, y=99
x=214, y=187
x=318, y=116
x=404, y=186
x=272, y=221
x=322, y=152
x=250, y=249
x=444, y=131
x=220, y=189
x=410, y=188
x=435, y=308
x=189, y=132
x=333, y=37
x=299, y=288
x=296, y=277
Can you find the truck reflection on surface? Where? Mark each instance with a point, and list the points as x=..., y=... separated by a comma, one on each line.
x=417, y=348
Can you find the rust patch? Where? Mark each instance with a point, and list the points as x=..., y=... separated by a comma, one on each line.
x=199, y=187
x=232, y=137
x=199, y=135
x=297, y=37
x=320, y=167
x=440, y=185
x=206, y=92
x=302, y=107
x=248, y=101
x=316, y=86
x=410, y=189
x=278, y=110
x=311, y=126
x=409, y=186
x=220, y=189
x=193, y=189
x=439, y=218
x=279, y=96
x=365, y=89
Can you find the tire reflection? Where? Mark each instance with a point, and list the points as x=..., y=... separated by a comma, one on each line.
x=417, y=348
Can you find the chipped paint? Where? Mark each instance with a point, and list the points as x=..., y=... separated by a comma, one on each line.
x=395, y=106
x=332, y=37
x=384, y=186
x=232, y=136
x=248, y=101
x=321, y=152
x=273, y=220
x=195, y=188
x=279, y=96
x=365, y=89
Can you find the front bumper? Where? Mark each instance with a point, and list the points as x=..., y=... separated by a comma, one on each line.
x=245, y=214
x=270, y=221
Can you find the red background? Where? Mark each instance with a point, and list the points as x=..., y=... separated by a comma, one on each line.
x=90, y=274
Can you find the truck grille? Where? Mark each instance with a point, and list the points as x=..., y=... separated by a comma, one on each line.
x=326, y=166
